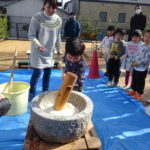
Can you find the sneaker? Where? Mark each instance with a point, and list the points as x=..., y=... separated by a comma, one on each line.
x=148, y=100
x=132, y=92
x=128, y=89
x=115, y=84
x=110, y=84
x=125, y=87
x=137, y=96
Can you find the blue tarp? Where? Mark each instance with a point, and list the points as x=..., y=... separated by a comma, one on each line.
x=119, y=120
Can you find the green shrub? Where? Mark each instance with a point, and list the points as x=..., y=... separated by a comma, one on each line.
x=4, y=27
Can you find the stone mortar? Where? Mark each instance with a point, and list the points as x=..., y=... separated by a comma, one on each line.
x=58, y=129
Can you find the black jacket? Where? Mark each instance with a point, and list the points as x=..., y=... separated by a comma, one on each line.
x=138, y=22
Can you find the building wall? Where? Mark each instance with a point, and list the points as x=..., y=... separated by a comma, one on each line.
x=20, y=14
x=91, y=11
x=18, y=27
x=26, y=8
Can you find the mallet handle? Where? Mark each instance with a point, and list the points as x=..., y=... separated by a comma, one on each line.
x=12, y=72
x=65, y=91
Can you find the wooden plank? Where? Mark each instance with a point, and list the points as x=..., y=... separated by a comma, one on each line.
x=91, y=138
x=88, y=141
x=76, y=145
x=33, y=142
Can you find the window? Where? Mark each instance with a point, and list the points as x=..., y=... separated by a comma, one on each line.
x=25, y=27
x=121, y=17
x=3, y=11
x=103, y=16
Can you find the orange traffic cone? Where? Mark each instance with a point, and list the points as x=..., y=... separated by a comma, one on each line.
x=94, y=70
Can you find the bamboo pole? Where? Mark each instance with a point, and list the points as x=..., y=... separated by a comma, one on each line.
x=65, y=91
x=12, y=72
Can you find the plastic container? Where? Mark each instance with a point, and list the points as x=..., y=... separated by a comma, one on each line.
x=18, y=97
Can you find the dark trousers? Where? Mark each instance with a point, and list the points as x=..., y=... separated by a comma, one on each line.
x=35, y=77
x=138, y=81
x=129, y=36
x=127, y=76
x=114, y=69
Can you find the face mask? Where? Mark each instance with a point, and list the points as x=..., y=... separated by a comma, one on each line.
x=138, y=11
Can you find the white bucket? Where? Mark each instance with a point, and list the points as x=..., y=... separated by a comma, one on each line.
x=18, y=97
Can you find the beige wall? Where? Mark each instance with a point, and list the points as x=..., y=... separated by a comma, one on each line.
x=91, y=11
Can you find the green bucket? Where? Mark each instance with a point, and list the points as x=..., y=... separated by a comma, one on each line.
x=18, y=97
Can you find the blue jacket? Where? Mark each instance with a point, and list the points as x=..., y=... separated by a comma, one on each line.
x=72, y=28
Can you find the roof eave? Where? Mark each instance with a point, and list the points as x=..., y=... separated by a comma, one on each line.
x=103, y=1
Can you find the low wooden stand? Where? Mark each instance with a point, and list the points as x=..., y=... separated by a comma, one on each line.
x=89, y=141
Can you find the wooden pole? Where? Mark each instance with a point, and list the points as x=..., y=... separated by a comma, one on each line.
x=12, y=72
x=65, y=91
x=61, y=66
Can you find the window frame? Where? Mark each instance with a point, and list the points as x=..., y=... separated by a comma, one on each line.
x=101, y=18
x=121, y=17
